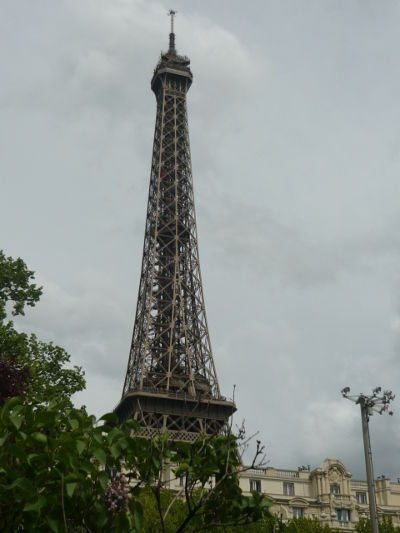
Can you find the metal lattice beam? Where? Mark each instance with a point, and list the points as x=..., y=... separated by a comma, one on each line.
x=171, y=351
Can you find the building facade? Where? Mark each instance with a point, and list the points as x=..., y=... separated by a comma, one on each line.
x=328, y=493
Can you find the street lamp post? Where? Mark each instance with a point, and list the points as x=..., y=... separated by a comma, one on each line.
x=377, y=402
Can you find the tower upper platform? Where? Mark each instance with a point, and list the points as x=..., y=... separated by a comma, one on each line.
x=171, y=64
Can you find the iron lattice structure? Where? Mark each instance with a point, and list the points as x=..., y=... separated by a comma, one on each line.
x=171, y=382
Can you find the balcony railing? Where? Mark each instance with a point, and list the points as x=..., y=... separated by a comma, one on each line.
x=271, y=472
x=354, y=484
x=287, y=474
x=257, y=471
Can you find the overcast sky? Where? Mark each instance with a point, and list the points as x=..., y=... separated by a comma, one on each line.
x=294, y=120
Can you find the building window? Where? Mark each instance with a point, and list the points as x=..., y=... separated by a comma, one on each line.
x=298, y=512
x=343, y=515
x=335, y=488
x=361, y=498
x=288, y=489
x=255, y=485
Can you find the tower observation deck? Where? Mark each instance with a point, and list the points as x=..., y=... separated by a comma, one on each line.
x=171, y=383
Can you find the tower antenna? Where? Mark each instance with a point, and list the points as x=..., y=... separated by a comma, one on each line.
x=172, y=13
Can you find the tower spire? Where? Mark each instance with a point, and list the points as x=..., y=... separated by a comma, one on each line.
x=172, y=49
x=171, y=383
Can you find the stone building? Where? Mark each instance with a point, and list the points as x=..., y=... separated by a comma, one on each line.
x=328, y=493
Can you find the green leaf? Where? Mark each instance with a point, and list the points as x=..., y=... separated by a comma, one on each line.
x=132, y=424
x=110, y=417
x=136, y=509
x=103, y=480
x=101, y=515
x=16, y=419
x=80, y=446
x=46, y=418
x=100, y=455
x=72, y=477
x=74, y=423
x=70, y=488
x=54, y=524
x=87, y=467
x=98, y=437
x=182, y=469
x=39, y=437
x=156, y=463
x=3, y=439
x=31, y=457
x=23, y=484
x=123, y=442
x=35, y=506
x=138, y=515
x=115, y=451
x=16, y=400
x=114, y=434
x=17, y=409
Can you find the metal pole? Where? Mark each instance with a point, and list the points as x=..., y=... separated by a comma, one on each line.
x=377, y=402
x=369, y=468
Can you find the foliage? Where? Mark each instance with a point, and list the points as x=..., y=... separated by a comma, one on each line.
x=385, y=526
x=55, y=468
x=210, y=496
x=35, y=369
x=16, y=286
x=217, y=458
x=59, y=470
x=50, y=377
x=13, y=379
x=151, y=517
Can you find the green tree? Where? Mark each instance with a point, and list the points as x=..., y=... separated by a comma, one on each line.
x=151, y=516
x=62, y=471
x=16, y=286
x=57, y=470
x=34, y=368
x=210, y=496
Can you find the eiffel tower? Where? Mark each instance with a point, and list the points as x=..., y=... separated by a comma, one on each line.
x=171, y=382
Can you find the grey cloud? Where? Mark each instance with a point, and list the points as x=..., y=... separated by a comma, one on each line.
x=81, y=320
x=254, y=239
x=294, y=131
